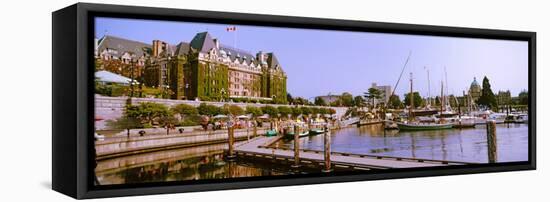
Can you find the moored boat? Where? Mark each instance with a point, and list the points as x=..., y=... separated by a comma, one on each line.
x=419, y=126
x=290, y=134
x=270, y=133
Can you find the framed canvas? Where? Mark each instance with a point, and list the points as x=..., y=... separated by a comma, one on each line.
x=157, y=100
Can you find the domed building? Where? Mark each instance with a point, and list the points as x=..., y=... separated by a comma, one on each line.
x=475, y=90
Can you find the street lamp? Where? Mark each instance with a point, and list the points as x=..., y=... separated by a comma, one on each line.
x=222, y=91
x=186, y=90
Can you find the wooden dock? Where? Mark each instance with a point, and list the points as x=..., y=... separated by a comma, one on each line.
x=259, y=147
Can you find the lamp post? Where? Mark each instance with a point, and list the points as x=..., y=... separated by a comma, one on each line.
x=222, y=91
x=186, y=91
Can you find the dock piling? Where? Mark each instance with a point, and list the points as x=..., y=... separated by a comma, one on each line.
x=492, y=141
x=327, y=151
x=231, y=141
x=296, y=147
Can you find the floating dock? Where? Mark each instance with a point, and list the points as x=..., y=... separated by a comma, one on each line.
x=259, y=147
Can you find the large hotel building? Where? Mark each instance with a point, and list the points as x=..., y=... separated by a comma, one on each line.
x=203, y=69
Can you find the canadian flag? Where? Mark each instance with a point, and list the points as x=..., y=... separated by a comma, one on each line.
x=231, y=29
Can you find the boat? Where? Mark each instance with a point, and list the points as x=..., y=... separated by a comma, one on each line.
x=417, y=126
x=290, y=134
x=316, y=131
x=413, y=125
x=517, y=118
x=390, y=125
x=350, y=121
x=270, y=133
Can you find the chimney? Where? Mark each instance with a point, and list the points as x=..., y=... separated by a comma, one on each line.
x=217, y=43
x=155, y=48
x=159, y=47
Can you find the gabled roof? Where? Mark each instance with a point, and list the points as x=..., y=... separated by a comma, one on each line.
x=181, y=49
x=123, y=45
x=202, y=42
x=232, y=53
x=272, y=61
x=110, y=77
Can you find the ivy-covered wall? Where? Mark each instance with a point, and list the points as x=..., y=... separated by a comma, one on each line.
x=177, y=77
x=209, y=81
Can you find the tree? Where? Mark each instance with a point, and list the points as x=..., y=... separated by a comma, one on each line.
x=359, y=101
x=301, y=101
x=270, y=110
x=395, y=102
x=255, y=111
x=185, y=110
x=284, y=110
x=125, y=123
x=306, y=110
x=289, y=98
x=331, y=111
x=209, y=110
x=296, y=111
x=416, y=99
x=314, y=110
x=168, y=121
x=320, y=101
x=188, y=114
x=147, y=112
x=373, y=94
x=346, y=99
x=523, y=98
x=324, y=111
x=487, y=98
x=233, y=110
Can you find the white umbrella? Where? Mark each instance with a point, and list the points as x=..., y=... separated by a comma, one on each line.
x=220, y=116
x=243, y=117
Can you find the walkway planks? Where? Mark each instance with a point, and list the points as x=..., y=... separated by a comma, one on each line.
x=259, y=147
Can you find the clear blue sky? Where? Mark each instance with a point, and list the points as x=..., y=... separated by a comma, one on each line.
x=319, y=62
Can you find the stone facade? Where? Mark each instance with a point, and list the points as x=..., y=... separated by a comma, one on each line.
x=206, y=70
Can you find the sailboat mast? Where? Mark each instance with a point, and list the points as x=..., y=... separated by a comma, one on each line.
x=429, y=89
x=442, y=99
x=411, y=99
x=401, y=74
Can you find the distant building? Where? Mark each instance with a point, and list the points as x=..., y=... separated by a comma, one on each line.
x=504, y=97
x=475, y=90
x=386, y=93
x=329, y=98
x=121, y=56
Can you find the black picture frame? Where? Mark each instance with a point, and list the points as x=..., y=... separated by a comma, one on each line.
x=73, y=98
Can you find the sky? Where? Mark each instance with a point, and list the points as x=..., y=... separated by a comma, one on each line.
x=322, y=62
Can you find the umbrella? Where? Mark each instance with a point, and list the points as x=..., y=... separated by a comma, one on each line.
x=265, y=116
x=220, y=116
x=243, y=117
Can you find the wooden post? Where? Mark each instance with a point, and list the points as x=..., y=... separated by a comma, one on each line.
x=255, y=129
x=327, y=151
x=492, y=141
x=296, y=146
x=231, y=140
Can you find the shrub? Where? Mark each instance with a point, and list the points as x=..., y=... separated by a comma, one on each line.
x=255, y=111
x=270, y=110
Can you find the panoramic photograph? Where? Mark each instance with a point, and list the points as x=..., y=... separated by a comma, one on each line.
x=185, y=101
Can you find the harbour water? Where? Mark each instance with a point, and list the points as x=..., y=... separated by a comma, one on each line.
x=466, y=145
x=208, y=162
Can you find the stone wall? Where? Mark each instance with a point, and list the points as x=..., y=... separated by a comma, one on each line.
x=109, y=108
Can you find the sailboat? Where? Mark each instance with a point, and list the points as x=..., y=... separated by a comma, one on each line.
x=412, y=125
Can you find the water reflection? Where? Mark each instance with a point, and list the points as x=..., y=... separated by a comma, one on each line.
x=207, y=162
x=467, y=145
